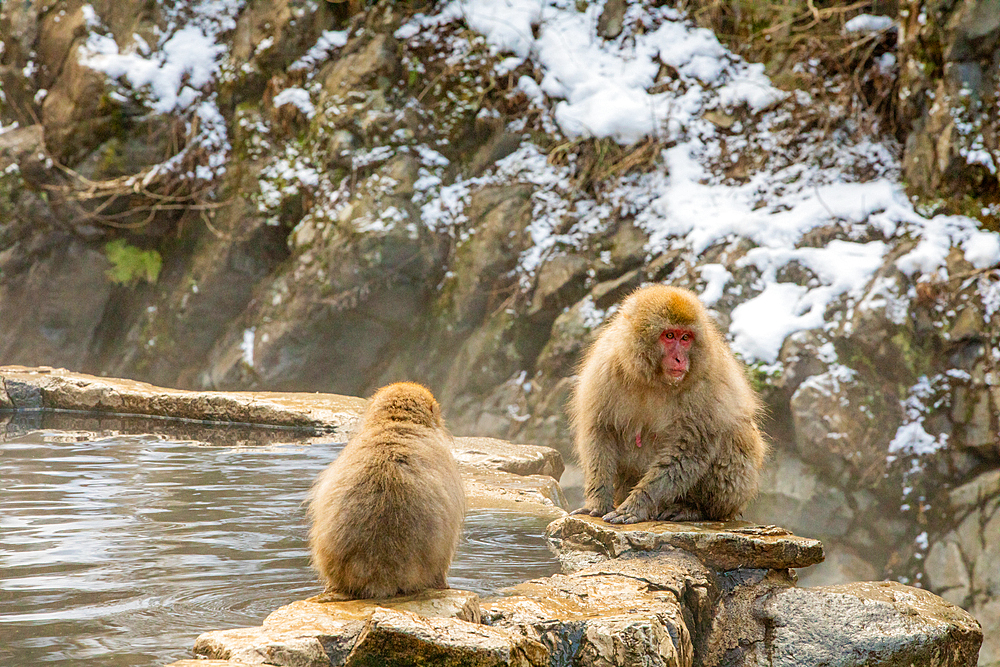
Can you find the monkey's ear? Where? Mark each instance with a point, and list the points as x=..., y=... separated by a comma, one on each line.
x=437, y=414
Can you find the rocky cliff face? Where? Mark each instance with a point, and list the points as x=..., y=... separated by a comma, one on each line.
x=307, y=198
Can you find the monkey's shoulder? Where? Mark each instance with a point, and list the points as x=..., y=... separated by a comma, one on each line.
x=393, y=439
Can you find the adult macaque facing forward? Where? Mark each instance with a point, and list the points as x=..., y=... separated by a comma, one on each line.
x=387, y=514
x=664, y=418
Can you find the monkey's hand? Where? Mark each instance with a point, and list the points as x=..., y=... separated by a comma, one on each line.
x=632, y=510
x=591, y=511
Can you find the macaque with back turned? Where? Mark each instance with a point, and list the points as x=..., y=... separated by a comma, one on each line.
x=387, y=513
x=665, y=420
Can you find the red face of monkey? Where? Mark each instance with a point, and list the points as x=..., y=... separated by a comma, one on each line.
x=676, y=344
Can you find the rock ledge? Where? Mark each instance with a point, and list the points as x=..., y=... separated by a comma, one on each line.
x=722, y=546
x=43, y=388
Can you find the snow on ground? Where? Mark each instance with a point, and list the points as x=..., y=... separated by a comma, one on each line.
x=869, y=23
x=297, y=97
x=175, y=74
x=911, y=436
x=325, y=45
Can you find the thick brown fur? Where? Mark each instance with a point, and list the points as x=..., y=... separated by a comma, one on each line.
x=701, y=449
x=388, y=513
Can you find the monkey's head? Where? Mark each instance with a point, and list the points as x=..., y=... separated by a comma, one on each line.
x=667, y=328
x=406, y=402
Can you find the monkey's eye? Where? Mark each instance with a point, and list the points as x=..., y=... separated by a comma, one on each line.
x=686, y=337
x=669, y=335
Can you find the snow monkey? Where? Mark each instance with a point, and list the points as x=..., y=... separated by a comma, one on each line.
x=388, y=512
x=664, y=417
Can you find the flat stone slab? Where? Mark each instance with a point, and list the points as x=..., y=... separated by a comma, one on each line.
x=314, y=630
x=90, y=426
x=723, y=546
x=627, y=586
x=530, y=494
x=493, y=454
x=316, y=612
x=255, y=646
x=23, y=388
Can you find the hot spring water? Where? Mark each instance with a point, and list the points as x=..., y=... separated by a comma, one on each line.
x=121, y=549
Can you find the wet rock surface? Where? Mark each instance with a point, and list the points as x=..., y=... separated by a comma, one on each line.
x=317, y=612
x=672, y=604
x=402, y=638
x=628, y=611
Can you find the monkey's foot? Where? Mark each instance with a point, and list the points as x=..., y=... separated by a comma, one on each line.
x=680, y=513
x=590, y=512
x=622, y=515
x=330, y=595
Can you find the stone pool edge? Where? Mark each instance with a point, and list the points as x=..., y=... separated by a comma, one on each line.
x=25, y=388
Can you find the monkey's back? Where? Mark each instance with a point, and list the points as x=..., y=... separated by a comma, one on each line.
x=387, y=514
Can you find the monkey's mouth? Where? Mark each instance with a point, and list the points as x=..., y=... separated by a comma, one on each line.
x=676, y=374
